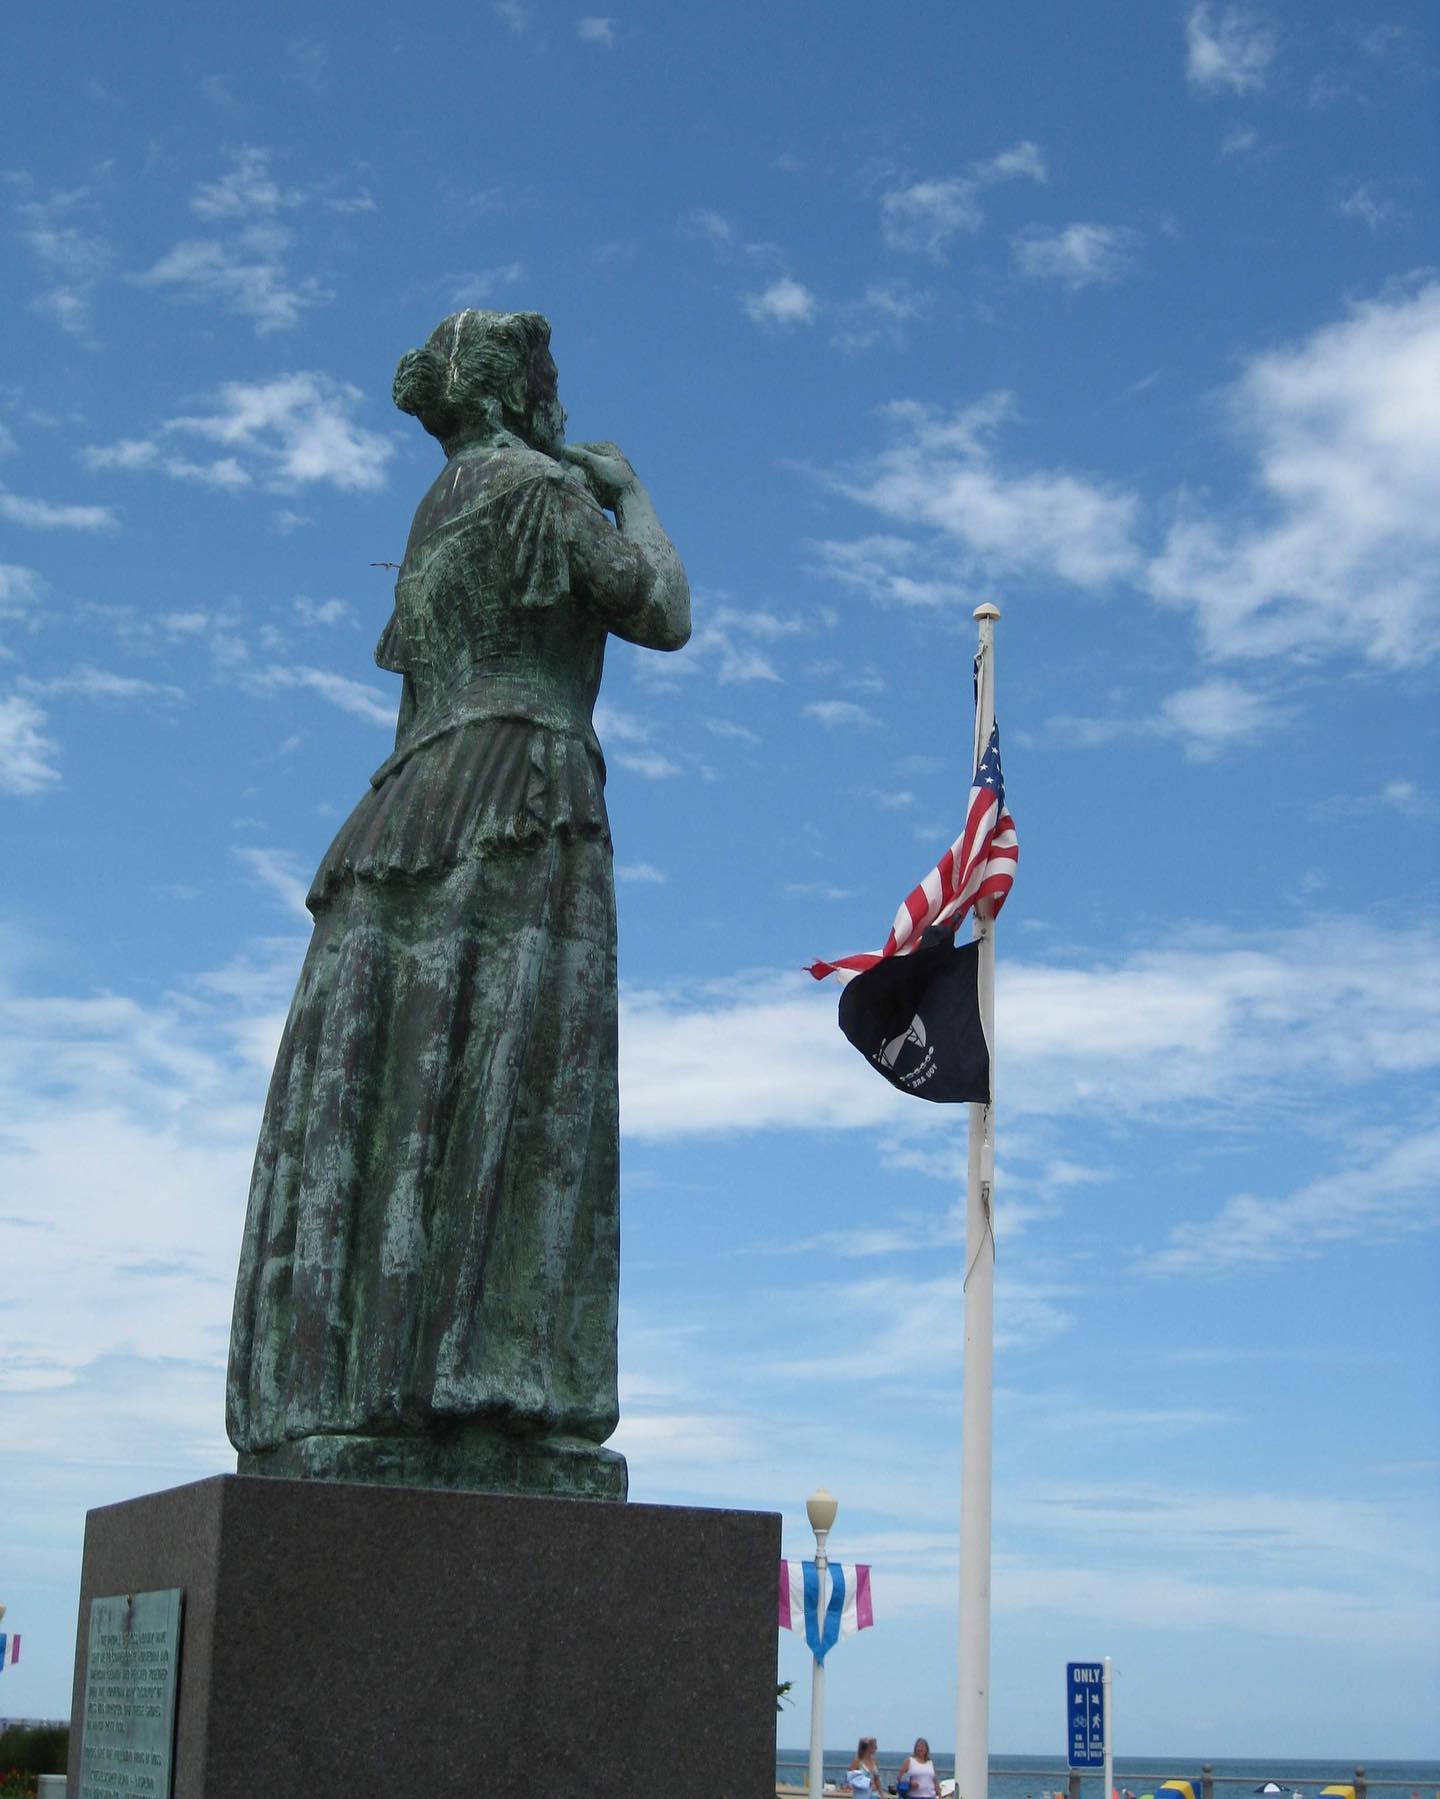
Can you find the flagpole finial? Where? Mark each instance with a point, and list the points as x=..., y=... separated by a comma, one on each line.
x=988, y=610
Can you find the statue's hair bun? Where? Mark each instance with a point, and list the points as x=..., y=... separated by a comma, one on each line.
x=421, y=379
x=471, y=369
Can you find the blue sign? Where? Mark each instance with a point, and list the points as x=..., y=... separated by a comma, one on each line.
x=1085, y=1714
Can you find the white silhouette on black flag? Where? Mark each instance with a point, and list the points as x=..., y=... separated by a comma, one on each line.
x=916, y=1019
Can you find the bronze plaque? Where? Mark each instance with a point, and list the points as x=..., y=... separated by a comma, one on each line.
x=132, y=1666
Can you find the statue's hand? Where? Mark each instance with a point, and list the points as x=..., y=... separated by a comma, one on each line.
x=606, y=467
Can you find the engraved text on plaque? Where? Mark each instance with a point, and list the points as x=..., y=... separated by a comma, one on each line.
x=130, y=1681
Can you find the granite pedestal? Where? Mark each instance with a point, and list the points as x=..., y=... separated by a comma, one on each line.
x=341, y=1641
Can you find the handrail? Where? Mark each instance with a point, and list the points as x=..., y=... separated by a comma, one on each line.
x=1209, y=1779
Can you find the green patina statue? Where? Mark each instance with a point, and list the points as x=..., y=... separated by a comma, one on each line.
x=428, y=1278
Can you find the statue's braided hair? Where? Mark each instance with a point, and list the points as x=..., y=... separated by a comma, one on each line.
x=470, y=371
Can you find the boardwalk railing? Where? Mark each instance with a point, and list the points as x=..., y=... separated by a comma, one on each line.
x=1364, y=1788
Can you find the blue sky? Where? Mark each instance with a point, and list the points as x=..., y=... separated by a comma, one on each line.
x=1126, y=317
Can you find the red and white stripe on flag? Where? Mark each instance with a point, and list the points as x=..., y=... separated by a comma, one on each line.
x=980, y=864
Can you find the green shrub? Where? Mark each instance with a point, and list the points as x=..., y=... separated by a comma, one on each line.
x=33, y=1749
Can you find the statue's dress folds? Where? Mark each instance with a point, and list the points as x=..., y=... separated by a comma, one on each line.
x=432, y=1237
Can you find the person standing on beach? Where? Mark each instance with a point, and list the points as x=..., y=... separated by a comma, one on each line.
x=864, y=1772
x=917, y=1776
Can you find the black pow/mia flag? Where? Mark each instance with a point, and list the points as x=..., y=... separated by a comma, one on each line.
x=917, y=1019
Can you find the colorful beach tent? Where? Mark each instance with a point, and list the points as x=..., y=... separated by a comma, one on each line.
x=1180, y=1789
x=1337, y=1793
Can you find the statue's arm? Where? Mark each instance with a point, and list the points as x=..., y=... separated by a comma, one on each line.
x=629, y=572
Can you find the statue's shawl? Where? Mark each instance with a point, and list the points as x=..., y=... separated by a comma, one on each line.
x=482, y=627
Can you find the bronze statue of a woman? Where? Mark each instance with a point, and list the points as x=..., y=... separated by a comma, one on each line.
x=428, y=1278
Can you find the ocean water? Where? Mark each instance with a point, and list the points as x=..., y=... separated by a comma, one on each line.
x=1029, y=1776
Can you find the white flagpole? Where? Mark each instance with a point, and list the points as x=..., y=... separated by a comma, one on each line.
x=972, y=1714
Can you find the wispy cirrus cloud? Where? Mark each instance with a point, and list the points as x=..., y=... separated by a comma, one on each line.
x=87, y=682
x=27, y=754
x=943, y=472
x=358, y=698
x=284, y=433
x=841, y=715
x=247, y=274
x=1208, y=720
x=1385, y=1194
x=246, y=267
x=46, y=515
x=1078, y=255
x=1228, y=49
x=73, y=255
x=925, y=216
x=21, y=592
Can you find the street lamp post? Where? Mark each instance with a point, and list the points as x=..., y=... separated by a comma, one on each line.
x=820, y=1508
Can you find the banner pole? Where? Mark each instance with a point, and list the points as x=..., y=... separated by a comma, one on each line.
x=816, y=1782
x=972, y=1714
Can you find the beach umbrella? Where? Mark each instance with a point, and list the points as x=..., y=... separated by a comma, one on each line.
x=1269, y=1787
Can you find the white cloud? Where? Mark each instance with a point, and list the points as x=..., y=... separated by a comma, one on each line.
x=323, y=612
x=1387, y=1194
x=1342, y=549
x=880, y=314
x=87, y=682
x=1020, y=160
x=649, y=764
x=246, y=274
x=279, y=873
x=732, y=732
x=1276, y=1021
x=246, y=189
x=1222, y=1554
x=1364, y=201
x=841, y=715
x=26, y=753
x=735, y=645
x=44, y=515
x=784, y=303
x=145, y=453
x=597, y=31
x=1401, y=796
x=293, y=430
x=889, y=570
x=927, y=215
x=479, y=286
x=21, y=589
x=614, y=725
x=643, y=874
x=1077, y=255
x=1207, y=720
x=942, y=472
x=1229, y=49
x=70, y=253
x=516, y=16
x=357, y=698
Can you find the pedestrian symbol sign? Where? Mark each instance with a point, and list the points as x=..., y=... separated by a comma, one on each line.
x=1085, y=1714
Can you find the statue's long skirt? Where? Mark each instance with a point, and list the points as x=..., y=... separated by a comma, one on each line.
x=433, y=1222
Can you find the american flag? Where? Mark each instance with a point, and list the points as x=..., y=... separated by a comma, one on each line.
x=980, y=864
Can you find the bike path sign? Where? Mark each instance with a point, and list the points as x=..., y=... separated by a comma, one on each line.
x=1085, y=1714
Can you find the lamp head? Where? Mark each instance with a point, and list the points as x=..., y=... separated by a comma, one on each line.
x=820, y=1509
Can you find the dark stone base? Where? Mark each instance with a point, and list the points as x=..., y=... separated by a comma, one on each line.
x=345, y=1640
x=469, y=1461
